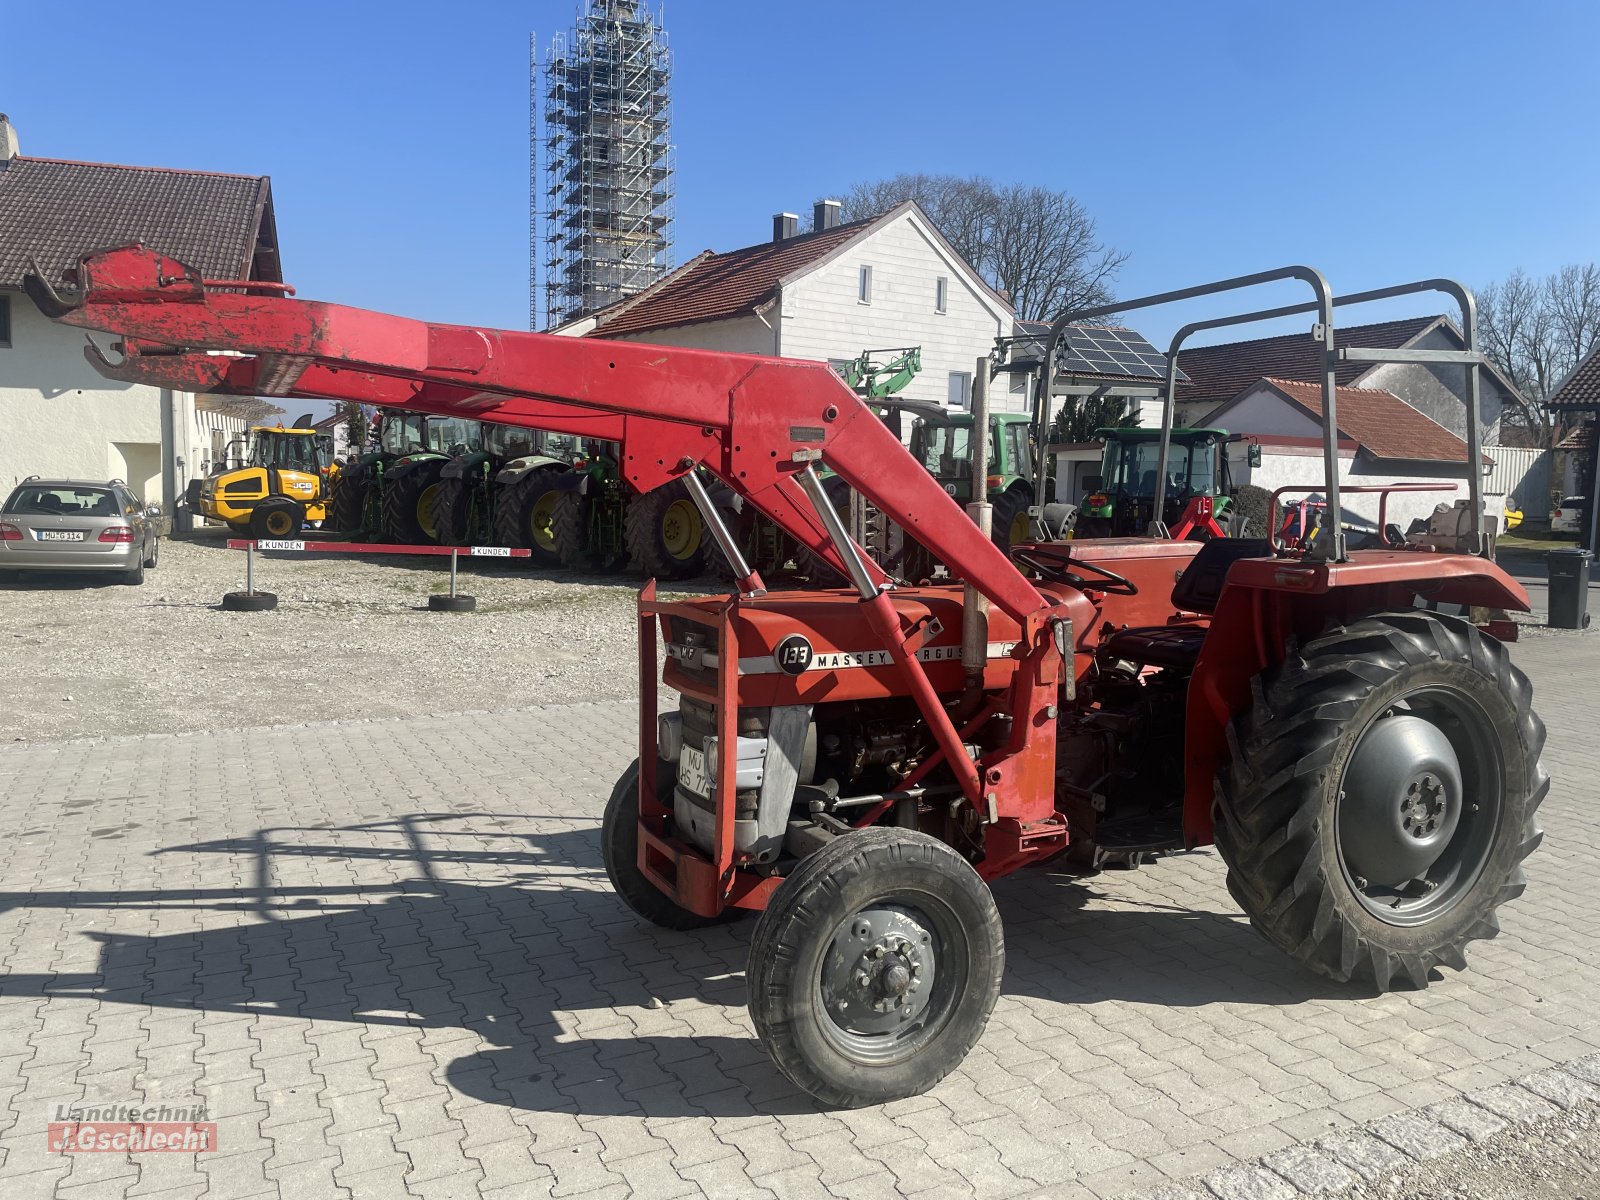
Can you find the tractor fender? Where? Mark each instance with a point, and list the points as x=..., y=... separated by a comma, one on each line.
x=518, y=467
x=1269, y=604
x=463, y=465
x=573, y=481
x=402, y=467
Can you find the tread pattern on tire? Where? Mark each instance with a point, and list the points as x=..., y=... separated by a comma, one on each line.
x=1003, y=512
x=619, y=849
x=569, y=529
x=451, y=515
x=772, y=950
x=1267, y=798
x=400, y=497
x=513, y=514
x=641, y=534
x=347, y=501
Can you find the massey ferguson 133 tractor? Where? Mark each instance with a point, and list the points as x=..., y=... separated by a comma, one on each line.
x=858, y=764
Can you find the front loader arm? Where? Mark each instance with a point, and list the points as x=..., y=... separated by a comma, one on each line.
x=754, y=422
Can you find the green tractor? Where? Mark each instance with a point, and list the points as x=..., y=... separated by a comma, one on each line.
x=466, y=507
x=1121, y=499
x=525, y=495
x=599, y=523
x=412, y=482
x=356, y=506
x=940, y=441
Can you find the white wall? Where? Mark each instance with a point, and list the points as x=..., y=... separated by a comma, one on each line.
x=1282, y=466
x=823, y=319
x=58, y=416
x=743, y=335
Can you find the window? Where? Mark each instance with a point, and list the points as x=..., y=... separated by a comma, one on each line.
x=960, y=394
x=941, y=295
x=864, y=286
x=5, y=320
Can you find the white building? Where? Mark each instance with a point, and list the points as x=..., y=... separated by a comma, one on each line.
x=58, y=415
x=887, y=282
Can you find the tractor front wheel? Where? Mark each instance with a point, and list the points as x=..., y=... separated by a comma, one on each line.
x=569, y=530
x=664, y=533
x=1381, y=797
x=408, y=505
x=619, y=848
x=278, y=518
x=874, y=967
x=347, y=502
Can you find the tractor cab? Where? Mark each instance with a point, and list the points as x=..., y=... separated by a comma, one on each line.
x=1121, y=503
x=941, y=441
x=288, y=450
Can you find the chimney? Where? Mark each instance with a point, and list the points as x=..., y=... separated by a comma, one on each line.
x=785, y=226
x=8, y=142
x=825, y=214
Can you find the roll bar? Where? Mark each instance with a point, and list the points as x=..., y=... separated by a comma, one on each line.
x=1331, y=545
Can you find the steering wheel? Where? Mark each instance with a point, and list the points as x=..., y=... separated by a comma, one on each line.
x=1054, y=567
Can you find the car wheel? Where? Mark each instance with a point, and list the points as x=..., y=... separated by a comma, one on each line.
x=155, y=553
x=134, y=577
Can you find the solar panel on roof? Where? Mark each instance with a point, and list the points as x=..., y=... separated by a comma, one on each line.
x=1103, y=350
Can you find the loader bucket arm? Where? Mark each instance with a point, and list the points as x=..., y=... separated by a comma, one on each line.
x=754, y=422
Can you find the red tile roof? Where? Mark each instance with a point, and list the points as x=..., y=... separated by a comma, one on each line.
x=1382, y=423
x=56, y=211
x=717, y=287
x=1219, y=373
x=1581, y=438
x=1581, y=389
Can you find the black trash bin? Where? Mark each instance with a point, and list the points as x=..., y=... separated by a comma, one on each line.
x=1569, y=588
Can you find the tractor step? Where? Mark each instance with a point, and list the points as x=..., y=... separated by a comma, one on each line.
x=1141, y=833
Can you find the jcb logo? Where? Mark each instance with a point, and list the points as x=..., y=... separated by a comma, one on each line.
x=793, y=654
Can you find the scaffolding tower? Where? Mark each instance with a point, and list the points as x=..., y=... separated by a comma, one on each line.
x=603, y=223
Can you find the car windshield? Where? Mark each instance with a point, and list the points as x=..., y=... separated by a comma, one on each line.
x=61, y=500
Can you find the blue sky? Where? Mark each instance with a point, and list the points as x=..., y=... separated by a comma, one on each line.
x=1377, y=141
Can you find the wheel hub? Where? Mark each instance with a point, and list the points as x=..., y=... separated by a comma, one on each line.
x=1401, y=802
x=879, y=971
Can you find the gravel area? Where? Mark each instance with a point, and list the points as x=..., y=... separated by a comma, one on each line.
x=351, y=638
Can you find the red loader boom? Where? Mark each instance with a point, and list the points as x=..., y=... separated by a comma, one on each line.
x=856, y=763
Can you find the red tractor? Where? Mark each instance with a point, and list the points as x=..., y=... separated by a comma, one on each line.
x=856, y=765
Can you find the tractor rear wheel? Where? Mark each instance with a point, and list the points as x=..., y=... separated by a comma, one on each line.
x=1381, y=796
x=665, y=533
x=452, y=512
x=874, y=967
x=523, y=514
x=619, y=848
x=346, y=503
x=569, y=530
x=408, y=505
x=276, y=517
x=1009, y=524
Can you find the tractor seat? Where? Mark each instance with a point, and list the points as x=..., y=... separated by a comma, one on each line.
x=1198, y=589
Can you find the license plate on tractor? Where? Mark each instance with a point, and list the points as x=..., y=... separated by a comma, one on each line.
x=692, y=773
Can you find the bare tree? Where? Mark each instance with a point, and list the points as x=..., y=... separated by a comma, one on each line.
x=1537, y=330
x=1037, y=246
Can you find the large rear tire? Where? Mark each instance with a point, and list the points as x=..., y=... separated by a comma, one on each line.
x=1380, y=797
x=569, y=530
x=874, y=968
x=523, y=515
x=452, y=512
x=409, y=497
x=348, y=500
x=619, y=848
x=1008, y=516
x=665, y=534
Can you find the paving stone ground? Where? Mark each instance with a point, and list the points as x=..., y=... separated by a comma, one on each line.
x=384, y=956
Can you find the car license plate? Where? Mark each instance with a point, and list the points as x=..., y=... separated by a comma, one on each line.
x=61, y=535
x=692, y=773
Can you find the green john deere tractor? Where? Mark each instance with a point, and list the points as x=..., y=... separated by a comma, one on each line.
x=412, y=482
x=466, y=505
x=597, y=522
x=525, y=495
x=356, y=507
x=1121, y=499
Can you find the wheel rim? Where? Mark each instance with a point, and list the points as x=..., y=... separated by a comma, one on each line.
x=680, y=529
x=425, y=510
x=541, y=527
x=1020, y=529
x=278, y=523
x=889, y=978
x=1420, y=804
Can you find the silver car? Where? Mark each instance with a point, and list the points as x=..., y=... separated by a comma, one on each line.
x=77, y=525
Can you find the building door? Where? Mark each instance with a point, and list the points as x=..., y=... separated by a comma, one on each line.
x=138, y=464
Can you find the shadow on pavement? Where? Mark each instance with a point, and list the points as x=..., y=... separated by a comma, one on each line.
x=576, y=1002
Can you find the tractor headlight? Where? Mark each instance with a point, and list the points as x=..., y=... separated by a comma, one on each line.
x=669, y=736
